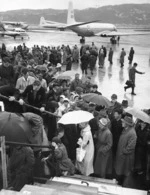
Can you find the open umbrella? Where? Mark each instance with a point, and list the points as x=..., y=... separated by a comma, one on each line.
x=67, y=75
x=97, y=99
x=14, y=127
x=137, y=113
x=75, y=117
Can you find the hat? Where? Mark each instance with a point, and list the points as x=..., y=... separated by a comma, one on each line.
x=114, y=97
x=66, y=100
x=58, y=65
x=62, y=96
x=92, y=104
x=103, y=121
x=128, y=120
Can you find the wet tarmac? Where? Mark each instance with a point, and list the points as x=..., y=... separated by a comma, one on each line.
x=111, y=78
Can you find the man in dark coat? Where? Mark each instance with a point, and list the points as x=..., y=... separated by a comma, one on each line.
x=131, y=54
x=94, y=90
x=93, y=59
x=13, y=94
x=76, y=83
x=35, y=96
x=116, y=129
x=115, y=105
x=70, y=139
x=6, y=72
x=69, y=62
x=53, y=94
x=122, y=56
x=125, y=151
x=132, y=73
x=50, y=121
x=87, y=85
x=85, y=59
x=20, y=167
x=110, y=56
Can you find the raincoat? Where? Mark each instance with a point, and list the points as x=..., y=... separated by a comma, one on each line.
x=103, y=163
x=125, y=152
x=86, y=166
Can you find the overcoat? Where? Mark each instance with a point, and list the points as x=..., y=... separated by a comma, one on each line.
x=103, y=163
x=125, y=152
x=122, y=55
x=86, y=166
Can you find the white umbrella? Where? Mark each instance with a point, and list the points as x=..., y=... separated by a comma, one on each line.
x=137, y=113
x=75, y=117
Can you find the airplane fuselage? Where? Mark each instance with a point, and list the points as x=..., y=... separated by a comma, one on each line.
x=92, y=29
x=22, y=25
x=52, y=26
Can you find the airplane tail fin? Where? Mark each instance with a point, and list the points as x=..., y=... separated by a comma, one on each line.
x=42, y=21
x=70, y=17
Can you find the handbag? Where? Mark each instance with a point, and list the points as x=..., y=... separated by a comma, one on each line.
x=80, y=154
x=128, y=82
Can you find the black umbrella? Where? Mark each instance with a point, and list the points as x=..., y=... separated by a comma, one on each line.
x=15, y=127
x=97, y=99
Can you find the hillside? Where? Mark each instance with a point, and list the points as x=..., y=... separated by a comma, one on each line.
x=126, y=14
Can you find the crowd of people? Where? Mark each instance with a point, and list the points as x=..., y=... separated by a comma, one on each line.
x=115, y=146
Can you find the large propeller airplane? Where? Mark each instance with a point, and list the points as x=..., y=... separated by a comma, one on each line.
x=87, y=29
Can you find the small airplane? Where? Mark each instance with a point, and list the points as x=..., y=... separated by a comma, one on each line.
x=15, y=32
x=87, y=29
x=22, y=25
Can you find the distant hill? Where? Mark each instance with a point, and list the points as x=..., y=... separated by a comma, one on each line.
x=126, y=14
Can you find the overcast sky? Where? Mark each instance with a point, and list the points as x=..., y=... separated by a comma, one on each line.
x=61, y=4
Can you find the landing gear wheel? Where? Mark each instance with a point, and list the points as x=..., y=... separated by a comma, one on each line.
x=82, y=40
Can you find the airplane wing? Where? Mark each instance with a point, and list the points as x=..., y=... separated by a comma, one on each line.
x=116, y=33
x=80, y=24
